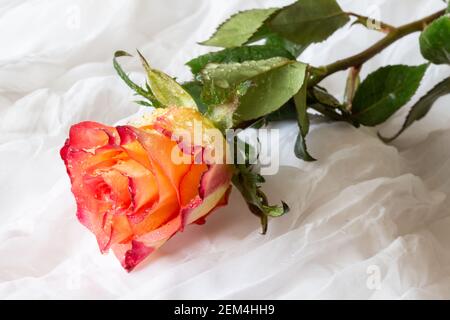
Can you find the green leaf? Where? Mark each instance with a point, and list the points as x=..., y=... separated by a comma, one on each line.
x=271, y=90
x=238, y=54
x=245, y=91
x=300, y=148
x=301, y=108
x=286, y=112
x=325, y=103
x=147, y=94
x=308, y=21
x=322, y=96
x=224, y=83
x=165, y=89
x=143, y=103
x=248, y=183
x=328, y=112
x=239, y=28
x=421, y=108
x=222, y=114
x=385, y=91
x=435, y=41
x=228, y=75
x=294, y=49
x=263, y=33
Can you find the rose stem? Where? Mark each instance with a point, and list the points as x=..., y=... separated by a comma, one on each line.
x=384, y=27
x=367, y=54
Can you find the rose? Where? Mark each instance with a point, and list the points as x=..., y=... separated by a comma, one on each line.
x=129, y=190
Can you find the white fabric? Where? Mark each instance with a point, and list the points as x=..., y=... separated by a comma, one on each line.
x=364, y=211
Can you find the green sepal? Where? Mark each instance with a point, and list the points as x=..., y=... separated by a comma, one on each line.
x=143, y=92
x=300, y=99
x=165, y=89
x=249, y=185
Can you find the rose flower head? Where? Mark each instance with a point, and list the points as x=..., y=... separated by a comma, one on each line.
x=137, y=185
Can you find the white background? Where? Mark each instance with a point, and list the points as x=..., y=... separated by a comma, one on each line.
x=368, y=220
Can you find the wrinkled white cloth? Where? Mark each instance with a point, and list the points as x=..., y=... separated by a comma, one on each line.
x=367, y=220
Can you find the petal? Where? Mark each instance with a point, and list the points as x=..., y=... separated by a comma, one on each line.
x=166, y=209
x=146, y=218
x=90, y=135
x=130, y=255
x=91, y=195
x=141, y=183
x=121, y=229
x=189, y=186
x=158, y=237
x=119, y=186
x=218, y=175
x=160, y=149
x=201, y=207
